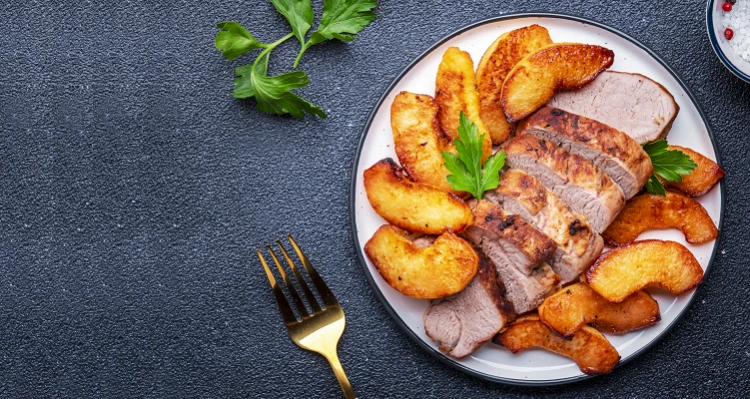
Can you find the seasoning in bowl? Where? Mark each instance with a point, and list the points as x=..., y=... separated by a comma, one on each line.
x=736, y=23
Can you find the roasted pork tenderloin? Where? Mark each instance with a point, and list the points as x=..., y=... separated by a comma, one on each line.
x=461, y=323
x=650, y=108
x=612, y=151
x=507, y=238
x=518, y=250
x=577, y=245
x=585, y=188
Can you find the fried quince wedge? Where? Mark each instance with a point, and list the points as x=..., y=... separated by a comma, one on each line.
x=701, y=180
x=502, y=55
x=651, y=211
x=577, y=305
x=412, y=206
x=441, y=269
x=588, y=347
x=418, y=140
x=560, y=66
x=649, y=263
x=456, y=91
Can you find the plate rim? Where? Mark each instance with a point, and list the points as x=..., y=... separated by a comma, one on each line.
x=353, y=188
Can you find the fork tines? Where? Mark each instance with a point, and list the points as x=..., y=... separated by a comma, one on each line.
x=326, y=295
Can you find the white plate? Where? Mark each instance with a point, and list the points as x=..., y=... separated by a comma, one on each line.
x=690, y=129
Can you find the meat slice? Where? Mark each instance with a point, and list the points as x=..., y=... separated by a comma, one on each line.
x=581, y=185
x=461, y=323
x=508, y=239
x=526, y=293
x=577, y=245
x=613, y=151
x=518, y=251
x=628, y=102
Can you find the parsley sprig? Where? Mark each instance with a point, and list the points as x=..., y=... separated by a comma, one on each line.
x=670, y=165
x=341, y=20
x=468, y=172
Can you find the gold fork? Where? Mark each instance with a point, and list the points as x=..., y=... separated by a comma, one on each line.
x=320, y=331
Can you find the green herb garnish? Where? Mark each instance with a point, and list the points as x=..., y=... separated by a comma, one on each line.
x=670, y=165
x=341, y=20
x=468, y=172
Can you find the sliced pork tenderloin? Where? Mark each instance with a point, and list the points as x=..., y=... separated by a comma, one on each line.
x=613, y=151
x=508, y=239
x=461, y=323
x=628, y=102
x=518, y=251
x=526, y=293
x=585, y=188
x=577, y=245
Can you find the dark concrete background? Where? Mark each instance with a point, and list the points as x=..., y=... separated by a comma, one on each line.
x=133, y=191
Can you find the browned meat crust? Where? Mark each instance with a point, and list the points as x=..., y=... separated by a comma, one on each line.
x=616, y=153
x=512, y=228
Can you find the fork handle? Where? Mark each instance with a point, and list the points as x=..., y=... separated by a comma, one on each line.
x=341, y=376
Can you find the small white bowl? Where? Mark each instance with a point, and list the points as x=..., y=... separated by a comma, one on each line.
x=728, y=57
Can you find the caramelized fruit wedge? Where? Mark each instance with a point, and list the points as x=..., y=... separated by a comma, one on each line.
x=441, y=269
x=411, y=206
x=651, y=211
x=577, y=305
x=588, y=347
x=456, y=91
x=649, y=263
x=418, y=140
x=561, y=66
x=497, y=61
x=702, y=179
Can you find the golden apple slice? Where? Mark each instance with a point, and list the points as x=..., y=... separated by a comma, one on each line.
x=588, y=348
x=411, y=206
x=702, y=179
x=456, y=91
x=561, y=66
x=441, y=269
x=650, y=211
x=577, y=305
x=497, y=61
x=649, y=263
x=418, y=140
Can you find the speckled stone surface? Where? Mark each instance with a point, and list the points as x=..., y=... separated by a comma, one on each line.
x=133, y=191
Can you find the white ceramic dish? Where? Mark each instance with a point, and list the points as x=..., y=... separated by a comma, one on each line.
x=690, y=129
x=728, y=57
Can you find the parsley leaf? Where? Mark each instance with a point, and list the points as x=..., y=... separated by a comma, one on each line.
x=233, y=40
x=468, y=173
x=299, y=13
x=342, y=19
x=272, y=92
x=654, y=186
x=670, y=165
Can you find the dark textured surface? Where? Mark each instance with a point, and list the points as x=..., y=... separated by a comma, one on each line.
x=133, y=190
